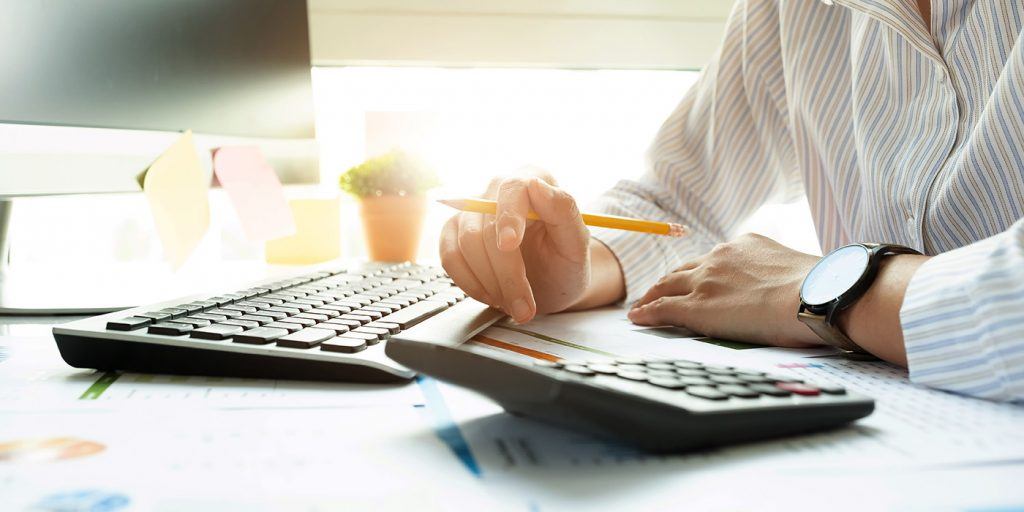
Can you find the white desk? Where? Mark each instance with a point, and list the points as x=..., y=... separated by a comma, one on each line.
x=173, y=443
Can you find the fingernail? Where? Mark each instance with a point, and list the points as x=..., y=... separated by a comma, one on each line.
x=507, y=238
x=520, y=309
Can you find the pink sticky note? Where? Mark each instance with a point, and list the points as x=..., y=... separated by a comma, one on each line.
x=255, y=192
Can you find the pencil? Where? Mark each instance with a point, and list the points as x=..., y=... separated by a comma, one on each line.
x=590, y=219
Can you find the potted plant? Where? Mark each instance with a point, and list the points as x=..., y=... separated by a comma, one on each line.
x=392, y=203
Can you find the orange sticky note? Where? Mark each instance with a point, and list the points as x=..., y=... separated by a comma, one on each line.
x=255, y=192
x=176, y=188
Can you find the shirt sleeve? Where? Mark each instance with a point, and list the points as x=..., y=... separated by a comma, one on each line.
x=725, y=151
x=963, y=319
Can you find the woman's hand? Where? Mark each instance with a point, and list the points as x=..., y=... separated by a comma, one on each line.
x=522, y=267
x=747, y=289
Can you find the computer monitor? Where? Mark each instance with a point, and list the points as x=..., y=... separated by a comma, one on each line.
x=93, y=91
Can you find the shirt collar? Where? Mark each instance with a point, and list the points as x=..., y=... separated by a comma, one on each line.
x=900, y=15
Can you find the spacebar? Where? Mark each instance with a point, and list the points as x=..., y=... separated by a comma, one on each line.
x=415, y=313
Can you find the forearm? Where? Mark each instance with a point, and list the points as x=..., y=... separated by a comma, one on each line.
x=873, y=322
x=607, y=285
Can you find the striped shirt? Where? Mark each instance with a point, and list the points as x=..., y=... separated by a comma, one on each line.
x=894, y=133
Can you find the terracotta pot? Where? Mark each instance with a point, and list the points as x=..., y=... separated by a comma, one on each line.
x=392, y=226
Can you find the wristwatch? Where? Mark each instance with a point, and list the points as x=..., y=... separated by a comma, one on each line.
x=836, y=282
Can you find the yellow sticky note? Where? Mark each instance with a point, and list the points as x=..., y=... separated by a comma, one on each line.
x=176, y=188
x=317, y=235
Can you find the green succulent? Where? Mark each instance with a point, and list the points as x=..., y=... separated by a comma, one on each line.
x=395, y=173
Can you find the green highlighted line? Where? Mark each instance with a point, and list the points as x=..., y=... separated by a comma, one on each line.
x=101, y=385
x=556, y=341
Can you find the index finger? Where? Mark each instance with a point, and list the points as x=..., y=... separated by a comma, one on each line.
x=513, y=207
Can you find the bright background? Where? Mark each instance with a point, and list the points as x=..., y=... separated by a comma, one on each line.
x=588, y=127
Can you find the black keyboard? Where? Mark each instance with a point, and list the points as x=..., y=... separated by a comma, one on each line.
x=327, y=325
x=655, y=404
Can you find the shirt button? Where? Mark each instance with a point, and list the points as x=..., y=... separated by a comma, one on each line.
x=940, y=74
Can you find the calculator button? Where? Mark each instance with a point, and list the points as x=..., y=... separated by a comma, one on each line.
x=687, y=364
x=632, y=375
x=660, y=366
x=579, y=370
x=740, y=391
x=782, y=378
x=725, y=379
x=629, y=360
x=632, y=367
x=667, y=382
x=548, y=364
x=686, y=372
x=753, y=379
x=696, y=381
x=662, y=373
x=832, y=390
x=706, y=392
x=798, y=388
x=768, y=389
x=606, y=369
x=719, y=370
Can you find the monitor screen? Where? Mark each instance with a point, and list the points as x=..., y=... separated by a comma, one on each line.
x=230, y=67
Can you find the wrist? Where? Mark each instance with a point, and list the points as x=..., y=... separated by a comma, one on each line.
x=873, y=321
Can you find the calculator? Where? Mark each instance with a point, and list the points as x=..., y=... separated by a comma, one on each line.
x=656, y=404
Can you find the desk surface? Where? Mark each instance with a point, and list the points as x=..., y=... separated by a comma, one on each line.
x=125, y=442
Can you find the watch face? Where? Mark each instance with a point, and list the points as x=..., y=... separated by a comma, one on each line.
x=834, y=275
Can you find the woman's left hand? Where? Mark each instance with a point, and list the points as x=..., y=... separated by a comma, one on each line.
x=744, y=290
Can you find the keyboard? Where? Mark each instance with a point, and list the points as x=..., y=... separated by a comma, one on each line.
x=331, y=324
x=655, y=404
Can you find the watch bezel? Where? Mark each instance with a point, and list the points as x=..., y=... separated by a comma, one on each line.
x=854, y=292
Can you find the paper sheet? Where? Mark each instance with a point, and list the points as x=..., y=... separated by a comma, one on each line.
x=255, y=192
x=176, y=188
x=317, y=237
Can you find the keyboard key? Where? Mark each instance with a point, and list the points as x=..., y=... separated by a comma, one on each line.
x=305, y=322
x=374, y=315
x=170, y=329
x=336, y=307
x=351, y=324
x=129, y=324
x=205, y=304
x=286, y=311
x=381, y=334
x=280, y=325
x=267, y=301
x=740, y=391
x=362, y=319
x=259, y=335
x=313, y=316
x=219, y=300
x=273, y=315
x=156, y=316
x=210, y=316
x=230, y=313
x=312, y=302
x=306, y=338
x=343, y=345
x=302, y=307
x=415, y=313
x=706, y=392
x=398, y=301
x=189, y=308
x=337, y=328
x=253, y=304
x=215, y=332
x=330, y=313
x=369, y=339
x=798, y=388
x=243, y=309
x=383, y=307
x=256, y=318
x=194, y=322
x=248, y=324
x=392, y=328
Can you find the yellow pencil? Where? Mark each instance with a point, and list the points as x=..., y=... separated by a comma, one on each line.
x=590, y=219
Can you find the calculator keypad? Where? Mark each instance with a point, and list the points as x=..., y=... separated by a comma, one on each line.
x=709, y=382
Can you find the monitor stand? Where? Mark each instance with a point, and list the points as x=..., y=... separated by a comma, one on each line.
x=27, y=289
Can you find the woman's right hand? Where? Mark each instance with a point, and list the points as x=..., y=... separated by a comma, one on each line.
x=521, y=266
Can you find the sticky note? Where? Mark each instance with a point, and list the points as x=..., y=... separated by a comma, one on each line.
x=317, y=235
x=255, y=192
x=176, y=188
